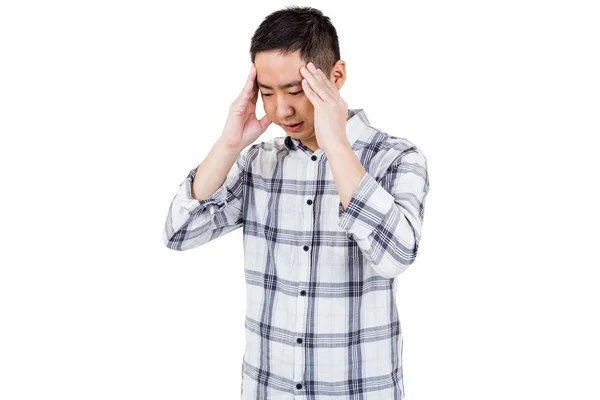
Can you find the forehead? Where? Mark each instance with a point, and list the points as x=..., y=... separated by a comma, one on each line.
x=273, y=67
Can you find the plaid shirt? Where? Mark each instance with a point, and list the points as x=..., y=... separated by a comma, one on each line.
x=321, y=319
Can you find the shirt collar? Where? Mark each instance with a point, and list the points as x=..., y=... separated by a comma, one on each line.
x=356, y=125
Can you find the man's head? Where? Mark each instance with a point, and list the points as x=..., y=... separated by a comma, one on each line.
x=285, y=41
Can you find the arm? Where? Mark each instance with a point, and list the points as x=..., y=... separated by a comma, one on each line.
x=212, y=172
x=386, y=218
x=209, y=202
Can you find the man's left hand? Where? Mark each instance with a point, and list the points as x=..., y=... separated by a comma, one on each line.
x=331, y=111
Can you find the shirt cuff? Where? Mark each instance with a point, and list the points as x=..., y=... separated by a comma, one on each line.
x=216, y=202
x=368, y=207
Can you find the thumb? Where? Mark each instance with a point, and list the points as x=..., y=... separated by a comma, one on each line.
x=265, y=122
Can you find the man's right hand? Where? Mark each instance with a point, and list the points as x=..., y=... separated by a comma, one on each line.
x=242, y=127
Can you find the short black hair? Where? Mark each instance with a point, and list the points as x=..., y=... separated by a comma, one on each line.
x=299, y=28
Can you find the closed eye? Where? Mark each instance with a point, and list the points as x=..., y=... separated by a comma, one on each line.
x=292, y=93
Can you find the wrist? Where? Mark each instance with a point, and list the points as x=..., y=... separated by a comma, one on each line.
x=336, y=147
x=226, y=147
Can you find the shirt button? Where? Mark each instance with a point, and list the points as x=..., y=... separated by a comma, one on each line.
x=303, y=293
x=314, y=158
x=299, y=340
x=305, y=248
x=299, y=386
x=309, y=202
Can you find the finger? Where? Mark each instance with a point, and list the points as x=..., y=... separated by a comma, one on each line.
x=330, y=91
x=264, y=122
x=254, y=98
x=331, y=85
x=250, y=85
x=312, y=80
x=316, y=83
x=312, y=96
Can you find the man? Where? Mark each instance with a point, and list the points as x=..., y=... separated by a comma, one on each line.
x=331, y=212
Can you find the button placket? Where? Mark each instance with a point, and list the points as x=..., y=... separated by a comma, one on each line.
x=310, y=172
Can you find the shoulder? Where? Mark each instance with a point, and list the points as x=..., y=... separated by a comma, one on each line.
x=397, y=159
x=391, y=150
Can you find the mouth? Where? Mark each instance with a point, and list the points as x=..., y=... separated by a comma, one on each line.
x=294, y=127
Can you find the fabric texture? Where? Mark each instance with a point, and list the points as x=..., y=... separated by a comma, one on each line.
x=321, y=319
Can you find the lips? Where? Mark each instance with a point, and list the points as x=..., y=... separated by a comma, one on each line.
x=294, y=128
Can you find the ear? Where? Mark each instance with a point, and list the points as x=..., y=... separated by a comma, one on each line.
x=338, y=74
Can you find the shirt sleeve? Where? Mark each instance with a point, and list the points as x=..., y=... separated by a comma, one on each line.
x=191, y=223
x=386, y=218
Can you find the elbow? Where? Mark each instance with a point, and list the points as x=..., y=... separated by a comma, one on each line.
x=391, y=265
x=173, y=240
x=172, y=244
x=183, y=240
x=401, y=255
x=389, y=270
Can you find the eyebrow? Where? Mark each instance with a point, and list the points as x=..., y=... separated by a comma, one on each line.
x=284, y=86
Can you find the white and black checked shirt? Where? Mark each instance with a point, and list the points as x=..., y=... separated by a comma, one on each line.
x=321, y=318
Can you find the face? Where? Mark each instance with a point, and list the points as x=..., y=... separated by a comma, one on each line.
x=279, y=81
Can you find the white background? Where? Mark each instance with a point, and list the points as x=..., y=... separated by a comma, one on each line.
x=106, y=106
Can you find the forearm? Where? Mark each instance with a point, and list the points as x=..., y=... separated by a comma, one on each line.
x=212, y=172
x=347, y=171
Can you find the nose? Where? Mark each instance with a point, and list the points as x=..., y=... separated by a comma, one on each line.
x=284, y=109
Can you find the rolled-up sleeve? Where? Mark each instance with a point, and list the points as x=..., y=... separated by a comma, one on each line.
x=191, y=222
x=386, y=218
